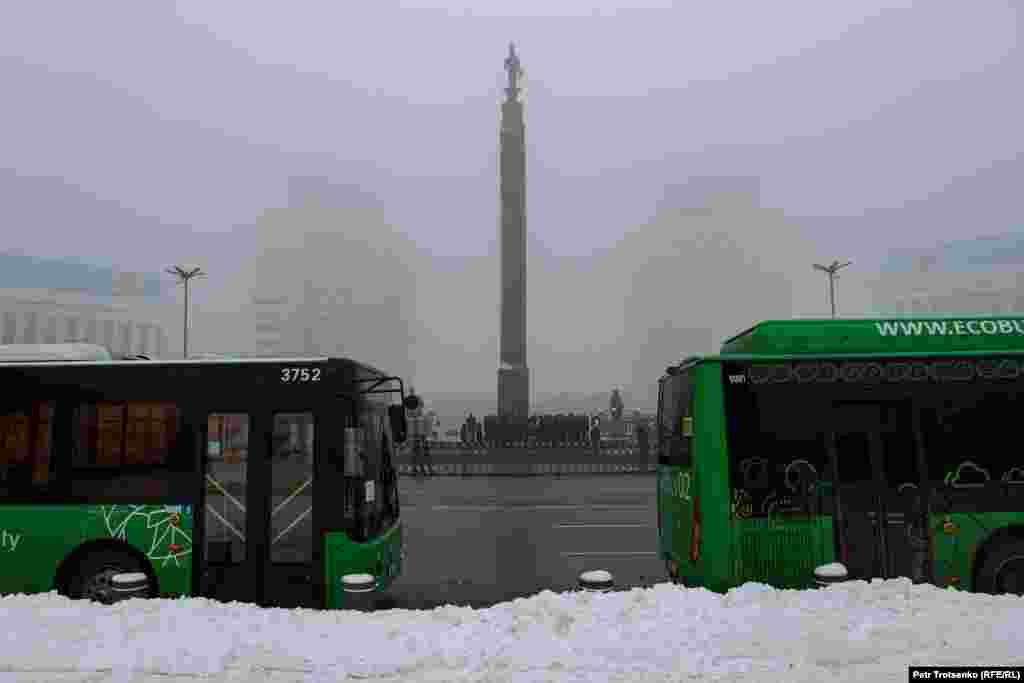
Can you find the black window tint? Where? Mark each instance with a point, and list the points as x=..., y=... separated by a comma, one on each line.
x=676, y=412
x=854, y=458
x=969, y=435
x=26, y=445
x=777, y=449
x=900, y=457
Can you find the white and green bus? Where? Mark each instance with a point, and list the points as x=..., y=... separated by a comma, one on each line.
x=259, y=480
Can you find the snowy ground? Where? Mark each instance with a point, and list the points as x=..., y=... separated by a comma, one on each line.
x=849, y=632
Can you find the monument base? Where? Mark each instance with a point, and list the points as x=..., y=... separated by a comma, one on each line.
x=514, y=392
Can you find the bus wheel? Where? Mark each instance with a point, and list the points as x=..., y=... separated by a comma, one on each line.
x=93, y=579
x=1003, y=570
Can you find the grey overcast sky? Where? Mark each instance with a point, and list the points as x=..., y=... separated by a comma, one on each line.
x=149, y=133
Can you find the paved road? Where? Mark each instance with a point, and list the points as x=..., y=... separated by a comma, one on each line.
x=483, y=540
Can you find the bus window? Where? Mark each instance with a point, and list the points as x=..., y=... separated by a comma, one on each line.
x=355, y=458
x=675, y=427
x=227, y=479
x=291, y=475
x=373, y=432
x=900, y=466
x=388, y=480
x=25, y=447
x=370, y=498
x=129, y=449
x=969, y=437
x=777, y=452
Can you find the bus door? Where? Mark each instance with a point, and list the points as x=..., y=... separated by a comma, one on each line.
x=228, y=567
x=879, y=519
x=292, y=543
x=257, y=521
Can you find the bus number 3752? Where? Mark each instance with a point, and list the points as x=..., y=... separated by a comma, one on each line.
x=293, y=375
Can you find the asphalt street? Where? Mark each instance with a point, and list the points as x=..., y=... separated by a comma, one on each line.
x=482, y=540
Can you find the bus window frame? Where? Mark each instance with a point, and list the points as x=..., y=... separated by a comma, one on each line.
x=925, y=394
x=667, y=437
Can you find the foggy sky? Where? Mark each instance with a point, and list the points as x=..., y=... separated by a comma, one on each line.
x=144, y=134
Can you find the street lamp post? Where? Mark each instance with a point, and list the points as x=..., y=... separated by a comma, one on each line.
x=832, y=271
x=184, y=277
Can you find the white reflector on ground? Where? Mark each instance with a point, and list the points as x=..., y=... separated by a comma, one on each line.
x=596, y=580
x=834, y=572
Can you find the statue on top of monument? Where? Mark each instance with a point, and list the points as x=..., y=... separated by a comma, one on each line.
x=514, y=71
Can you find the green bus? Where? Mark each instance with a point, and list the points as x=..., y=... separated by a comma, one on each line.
x=263, y=480
x=886, y=446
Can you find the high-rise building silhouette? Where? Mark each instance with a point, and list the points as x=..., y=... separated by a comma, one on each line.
x=513, y=373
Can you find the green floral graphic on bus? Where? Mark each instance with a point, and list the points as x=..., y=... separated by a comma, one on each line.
x=157, y=529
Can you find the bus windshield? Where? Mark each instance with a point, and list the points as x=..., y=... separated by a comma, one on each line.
x=371, y=493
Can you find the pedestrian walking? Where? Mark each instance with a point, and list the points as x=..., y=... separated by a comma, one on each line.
x=418, y=435
x=427, y=461
x=642, y=440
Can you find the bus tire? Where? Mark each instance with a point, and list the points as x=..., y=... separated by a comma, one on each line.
x=1002, y=570
x=91, y=577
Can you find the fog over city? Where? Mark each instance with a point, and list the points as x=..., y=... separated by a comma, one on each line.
x=686, y=164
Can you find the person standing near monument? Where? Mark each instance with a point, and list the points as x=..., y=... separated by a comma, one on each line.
x=418, y=434
x=643, y=443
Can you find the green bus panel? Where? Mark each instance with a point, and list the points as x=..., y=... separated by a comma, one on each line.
x=381, y=557
x=780, y=552
x=880, y=336
x=675, y=495
x=34, y=539
x=711, y=472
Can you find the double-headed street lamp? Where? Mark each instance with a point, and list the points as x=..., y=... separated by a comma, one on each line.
x=832, y=271
x=184, y=277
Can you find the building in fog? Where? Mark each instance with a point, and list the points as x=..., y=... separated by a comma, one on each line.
x=731, y=260
x=291, y=315
x=980, y=276
x=326, y=281
x=49, y=301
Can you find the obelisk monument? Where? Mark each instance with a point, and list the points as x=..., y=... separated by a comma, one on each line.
x=513, y=373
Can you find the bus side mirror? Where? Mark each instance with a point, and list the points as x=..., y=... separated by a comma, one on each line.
x=399, y=427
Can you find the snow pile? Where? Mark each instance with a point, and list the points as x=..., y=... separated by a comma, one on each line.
x=849, y=632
